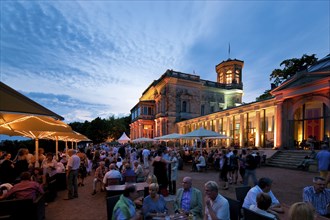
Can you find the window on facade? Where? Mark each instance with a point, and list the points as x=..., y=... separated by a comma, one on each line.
x=237, y=74
x=163, y=106
x=229, y=77
x=221, y=78
x=202, y=110
x=184, y=106
x=149, y=111
x=212, y=109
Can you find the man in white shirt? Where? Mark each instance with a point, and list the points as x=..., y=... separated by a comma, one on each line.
x=145, y=154
x=264, y=185
x=216, y=206
x=112, y=173
x=72, y=174
x=201, y=162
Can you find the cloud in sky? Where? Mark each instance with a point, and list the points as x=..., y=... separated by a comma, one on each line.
x=88, y=59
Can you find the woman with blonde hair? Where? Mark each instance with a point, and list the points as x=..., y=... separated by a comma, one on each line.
x=301, y=211
x=151, y=179
x=154, y=204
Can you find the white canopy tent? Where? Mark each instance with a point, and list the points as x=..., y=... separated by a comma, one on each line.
x=142, y=139
x=172, y=136
x=124, y=138
x=203, y=134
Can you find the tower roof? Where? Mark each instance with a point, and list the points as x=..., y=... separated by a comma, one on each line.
x=230, y=62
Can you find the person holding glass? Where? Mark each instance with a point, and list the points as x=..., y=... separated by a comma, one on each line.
x=154, y=204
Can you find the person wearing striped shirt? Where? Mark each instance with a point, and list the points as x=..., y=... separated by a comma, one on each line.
x=318, y=196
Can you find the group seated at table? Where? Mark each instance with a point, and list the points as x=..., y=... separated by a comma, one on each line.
x=26, y=193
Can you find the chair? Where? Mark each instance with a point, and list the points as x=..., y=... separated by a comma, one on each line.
x=251, y=215
x=146, y=174
x=146, y=191
x=23, y=208
x=130, y=179
x=234, y=208
x=111, y=202
x=203, y=168
x=113, y=181
x=241, y=192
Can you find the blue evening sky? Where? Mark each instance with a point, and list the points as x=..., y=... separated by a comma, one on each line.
x=84, y=59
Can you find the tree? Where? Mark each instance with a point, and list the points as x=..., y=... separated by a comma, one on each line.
x=291, y=67
x=264, y=96
x=99, y=130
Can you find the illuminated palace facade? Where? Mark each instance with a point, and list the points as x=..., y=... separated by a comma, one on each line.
x=180, y=102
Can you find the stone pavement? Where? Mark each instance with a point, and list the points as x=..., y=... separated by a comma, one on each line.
x=287, y=187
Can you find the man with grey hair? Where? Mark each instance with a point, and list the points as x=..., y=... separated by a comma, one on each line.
x=264, y=185
x=112, y=174
x=318, y=196
x=72, y=174
x=216, y=206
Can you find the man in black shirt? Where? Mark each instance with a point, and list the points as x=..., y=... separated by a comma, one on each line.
x=250, y=168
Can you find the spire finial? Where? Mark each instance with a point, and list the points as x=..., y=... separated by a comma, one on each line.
x=229, y=51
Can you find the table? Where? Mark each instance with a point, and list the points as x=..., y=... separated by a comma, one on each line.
x=172, y=217
x=285, y=215
x=119, y=189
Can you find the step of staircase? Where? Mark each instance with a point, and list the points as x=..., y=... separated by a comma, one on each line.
x=287, y=159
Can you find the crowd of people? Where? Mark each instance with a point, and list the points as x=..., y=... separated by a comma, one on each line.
x=26, y=177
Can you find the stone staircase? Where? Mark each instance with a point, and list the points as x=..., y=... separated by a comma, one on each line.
x=287, y=158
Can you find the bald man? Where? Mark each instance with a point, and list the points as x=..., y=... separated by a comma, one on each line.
x=189, y=199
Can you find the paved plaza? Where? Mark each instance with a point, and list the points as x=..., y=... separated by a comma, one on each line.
x=287, y=187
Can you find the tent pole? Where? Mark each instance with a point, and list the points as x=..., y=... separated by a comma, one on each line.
x=37, y=152
x=56, y=148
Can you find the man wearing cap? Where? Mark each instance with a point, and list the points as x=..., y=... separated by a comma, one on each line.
x=264, y=185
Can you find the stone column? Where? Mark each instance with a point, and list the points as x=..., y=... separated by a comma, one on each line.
x=278, y=125
x=140, y=130
x=208, y=125
x=216, y=125
x=241, y=130
x=157, y=127
x=228, y=130
x=257, y=126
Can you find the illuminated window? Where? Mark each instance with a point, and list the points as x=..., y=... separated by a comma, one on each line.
x=229, y=77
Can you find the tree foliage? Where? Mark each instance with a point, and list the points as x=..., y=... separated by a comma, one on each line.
x=291, y=67
x=99, y=130
x=264, y=96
